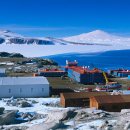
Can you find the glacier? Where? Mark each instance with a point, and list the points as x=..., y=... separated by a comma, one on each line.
x=38, y=50
x=95, y=41
x=99, y=36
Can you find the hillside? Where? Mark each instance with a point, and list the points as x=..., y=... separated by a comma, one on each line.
x=8, y=37
x=11, y=55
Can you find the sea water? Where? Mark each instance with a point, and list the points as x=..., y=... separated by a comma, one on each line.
x=103, y=60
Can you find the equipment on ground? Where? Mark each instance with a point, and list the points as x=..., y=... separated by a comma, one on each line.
x=109, y=85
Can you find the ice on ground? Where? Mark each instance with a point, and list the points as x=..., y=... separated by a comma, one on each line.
x=89, y=125
x=28, y=124
x=51, y=101
x=41, y=50
x=37, y=107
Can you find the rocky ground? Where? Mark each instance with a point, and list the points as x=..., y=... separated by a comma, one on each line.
x=46, y=114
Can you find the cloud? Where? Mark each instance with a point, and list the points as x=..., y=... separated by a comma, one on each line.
x=34, y=28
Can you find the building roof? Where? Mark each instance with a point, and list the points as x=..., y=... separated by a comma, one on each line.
x=126, y=98
x=124, y=72
x=22, y=80
x=75, y=95
x=104, y=99
x=84, y=70
x=121, y=71
x=50, y=70
x=2, y=70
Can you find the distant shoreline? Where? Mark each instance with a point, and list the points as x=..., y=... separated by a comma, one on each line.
x=48, y=50
x=105, y=60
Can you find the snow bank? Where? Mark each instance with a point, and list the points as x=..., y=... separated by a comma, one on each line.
x=89, y=125
x=36, y=107
x=51, y=101
x=42, y=50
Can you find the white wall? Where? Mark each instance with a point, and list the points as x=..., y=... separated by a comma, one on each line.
x=24, y=91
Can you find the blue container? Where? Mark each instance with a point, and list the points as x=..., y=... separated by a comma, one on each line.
x=121, y=74
x=87, y=78
x=76, y=76
x=70, y=73
x=129, y=77
x=115, y=73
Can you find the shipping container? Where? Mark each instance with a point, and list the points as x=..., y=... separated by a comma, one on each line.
x=129, y=77
x=123, y=74
x=111, y=103
x=78, y=99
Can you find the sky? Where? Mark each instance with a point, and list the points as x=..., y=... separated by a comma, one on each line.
x=62, y=18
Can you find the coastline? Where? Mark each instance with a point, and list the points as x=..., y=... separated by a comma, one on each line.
x=48, y=50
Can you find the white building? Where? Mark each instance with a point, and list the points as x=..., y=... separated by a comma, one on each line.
x=2, y=72
x=24, y=87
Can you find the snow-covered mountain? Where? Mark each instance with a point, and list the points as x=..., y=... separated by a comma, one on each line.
x=99, y=37
x=96, y=41
x=8, y=37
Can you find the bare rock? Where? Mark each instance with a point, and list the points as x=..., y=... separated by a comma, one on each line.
x=127, y=126
x=125, y=111
x=8, y=118
x=24, y=104
x=69, y=114
x=2, y=110
x=16, y=128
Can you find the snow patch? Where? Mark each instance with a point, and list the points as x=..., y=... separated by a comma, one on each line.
x=99, y=37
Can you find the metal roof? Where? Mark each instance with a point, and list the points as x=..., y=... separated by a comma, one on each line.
x=121, y=71
x=77, y=95
x=22, y=80
x=83, y=70
x=104, y=99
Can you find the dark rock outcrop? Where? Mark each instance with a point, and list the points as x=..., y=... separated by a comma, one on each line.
x=24, y=104
x=2, y=110
x=8, y=117
x=11, y=55
x=30, y=41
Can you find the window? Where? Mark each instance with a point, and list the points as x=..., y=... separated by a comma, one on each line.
x=20, y=90
x=31, y=89
x=42, y=89
x=9, y=90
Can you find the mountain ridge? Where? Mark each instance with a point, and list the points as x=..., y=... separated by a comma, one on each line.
x=97, y=37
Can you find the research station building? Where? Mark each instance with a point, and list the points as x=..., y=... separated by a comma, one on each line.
x=2, y=72
x=111, y=103
x=84, y=75
x=51, y=72
x=24, y=87
x=78, y=99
